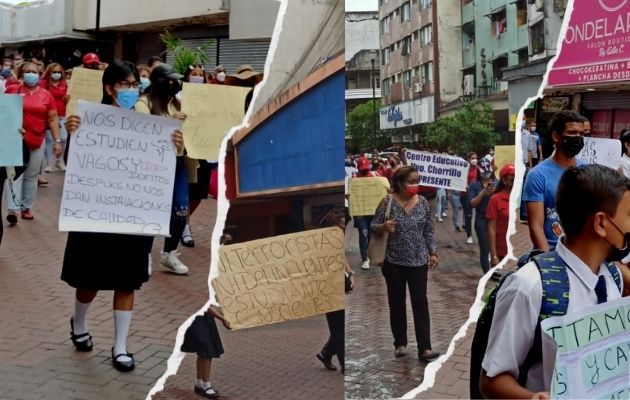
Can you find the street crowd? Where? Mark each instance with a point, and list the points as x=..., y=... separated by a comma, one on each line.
x=154, y=89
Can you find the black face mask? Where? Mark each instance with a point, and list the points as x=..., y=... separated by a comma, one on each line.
x=572, y=145
x=617, y=254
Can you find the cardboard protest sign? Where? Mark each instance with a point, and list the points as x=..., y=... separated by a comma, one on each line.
x=503, y=155
x=120, y=173
x=440, y=170
x=282, y=278
x=10, y=137
x=366, y=194
x=211, y=111
x=590, y=352
x=85, y=84
x=606, y=152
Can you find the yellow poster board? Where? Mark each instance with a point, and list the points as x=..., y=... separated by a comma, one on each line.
x=513, y=119
x=282, y=278
x=86, y=84
x=366, y=194
x=211, y=111
x=504, y=155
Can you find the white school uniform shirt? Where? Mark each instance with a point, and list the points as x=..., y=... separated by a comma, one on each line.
x=625, y=164
x=516, y=314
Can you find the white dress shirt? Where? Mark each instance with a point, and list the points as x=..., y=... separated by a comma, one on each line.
x=518, y=307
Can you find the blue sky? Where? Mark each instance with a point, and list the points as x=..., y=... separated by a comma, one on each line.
x=361, y=5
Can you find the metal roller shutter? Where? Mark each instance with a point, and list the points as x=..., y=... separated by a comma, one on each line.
x=234, y=53
x=193, y=44
x=149, y=45
x=605, y=101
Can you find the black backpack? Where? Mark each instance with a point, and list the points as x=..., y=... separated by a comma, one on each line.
x=555, y=300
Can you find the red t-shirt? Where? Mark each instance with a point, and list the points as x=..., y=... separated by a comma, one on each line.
x=35, y=119
x=499, y=211
x=472, y=174
x=58, y=92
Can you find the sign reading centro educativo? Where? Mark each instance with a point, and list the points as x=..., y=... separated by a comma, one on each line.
x=596, y=46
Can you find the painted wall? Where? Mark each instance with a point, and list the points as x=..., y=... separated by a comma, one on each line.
x=51, y=20
x=362, y=33
x=253, y=19
x=450, y=48
x=299, y=145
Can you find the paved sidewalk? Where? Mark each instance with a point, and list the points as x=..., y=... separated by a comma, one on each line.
x=38, y=361
x=372, y=371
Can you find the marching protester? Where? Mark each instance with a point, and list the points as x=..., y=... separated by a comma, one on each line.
x=160, y=100
x=362, y=223
x=218, y=76
x=411, y=253
x=54, y=81
x=91, y=61
x=498, y=214
x=472, y=177
x=145, y=78
x=580, y=271
x=86, y=266
x=480, y=192
x=526, y=154
x=536, y=144
x=541, y=183
x=39, y=112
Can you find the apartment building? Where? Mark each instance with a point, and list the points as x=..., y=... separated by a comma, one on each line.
x=420, y=56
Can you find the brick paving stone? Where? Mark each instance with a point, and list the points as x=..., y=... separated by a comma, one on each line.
x=38, y=361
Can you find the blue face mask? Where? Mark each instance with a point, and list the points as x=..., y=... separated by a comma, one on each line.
x=144, y=84
x=127, y=98
x=55, y=76
x=31, y=79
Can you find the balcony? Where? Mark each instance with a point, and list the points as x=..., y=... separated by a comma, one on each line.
x=468, y=12
x=468, y=56
x=522, y=36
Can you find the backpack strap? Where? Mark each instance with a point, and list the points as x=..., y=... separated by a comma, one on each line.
x=614, y=271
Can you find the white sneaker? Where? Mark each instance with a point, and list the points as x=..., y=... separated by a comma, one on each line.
x=440, y=219
x=444, y=214
x=365, y=265
x=48, y=168
x=171, y=262
x=469, y=240
x=60, y=165
x=150, y=266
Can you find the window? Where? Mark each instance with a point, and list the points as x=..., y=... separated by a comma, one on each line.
x=521, y=12
x=406, y=45
x=385, y=22
x=407, y=79
x=498, y=22
x=351, y=82
x=537, y=37
x=425, y=4
x=426, y=73
x=404, y=12
x=426, y=35
x=385, y=60
x=387, y=87
x=377, y=79
x=414, y=35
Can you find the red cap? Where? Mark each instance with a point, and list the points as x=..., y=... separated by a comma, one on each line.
x=364, y=164
x=91, y=58
x=507, y=169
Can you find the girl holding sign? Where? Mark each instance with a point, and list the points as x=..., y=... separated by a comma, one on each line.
x=105, y=261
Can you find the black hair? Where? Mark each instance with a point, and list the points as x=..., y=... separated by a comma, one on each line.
x=117, y=71
x=154, y=60
x=560, y=120
x=625, y=138
x=190, y=69
x=598, y=188
x=400, y=176
x=162, y=91
x=248, y=99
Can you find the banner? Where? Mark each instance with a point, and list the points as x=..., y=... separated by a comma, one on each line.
x=10, y=137
x=366, y=194
x=503, y=155
x=282, y=278
x=85, y=84
x=606, y=152
x=119, y=178
x=211, y=111
x=587, y=353
x=440, y=170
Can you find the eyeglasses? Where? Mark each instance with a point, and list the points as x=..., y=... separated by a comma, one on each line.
x=127, y=84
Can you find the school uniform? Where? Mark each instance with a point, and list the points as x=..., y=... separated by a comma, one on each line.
x=517, y=310
x=202, y=337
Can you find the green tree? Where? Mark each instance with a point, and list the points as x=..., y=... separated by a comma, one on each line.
x=185, y=57
x=360, y=127
x=471, y=128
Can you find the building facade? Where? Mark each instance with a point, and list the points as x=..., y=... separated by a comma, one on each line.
x=418, y=45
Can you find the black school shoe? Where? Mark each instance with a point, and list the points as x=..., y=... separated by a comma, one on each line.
x=83, y=345
x=326, y=361
x=209, y=392
x=428, y=356
x=123, y=366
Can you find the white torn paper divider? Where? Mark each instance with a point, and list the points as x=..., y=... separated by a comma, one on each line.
x=120, y=173
x=586, y=355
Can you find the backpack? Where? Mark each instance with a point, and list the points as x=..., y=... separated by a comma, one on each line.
x=555, y=300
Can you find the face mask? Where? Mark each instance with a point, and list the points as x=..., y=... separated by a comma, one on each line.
x=31, y=78
x=55, y=76
x=532, y=129
x=617, y=254
x=6, y=67
x=412, y=190
x=572, y=145
x=474, y=162
x=127, y=98
x=221, y=77
x=144, y=84
x=196, y=79
x=492, y=152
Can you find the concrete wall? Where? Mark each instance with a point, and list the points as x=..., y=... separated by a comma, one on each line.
x=450, y=50
x=253, y=19
x=553, y=24
x=120, y=13
x=33, y=23
x=362, y=32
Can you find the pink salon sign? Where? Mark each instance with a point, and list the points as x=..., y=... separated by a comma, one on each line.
x=596, y=46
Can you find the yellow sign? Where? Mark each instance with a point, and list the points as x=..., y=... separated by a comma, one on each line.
x=211, y=111
x=282, y=278
x=366, y=194
x=86, y=84
x=503, y=155
x=513, y=119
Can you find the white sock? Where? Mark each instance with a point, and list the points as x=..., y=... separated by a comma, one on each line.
x=79, y=320
x=122, y=322
x=186, y=230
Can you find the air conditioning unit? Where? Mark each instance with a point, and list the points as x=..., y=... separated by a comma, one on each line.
x=417, y=87
x=469, y=85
